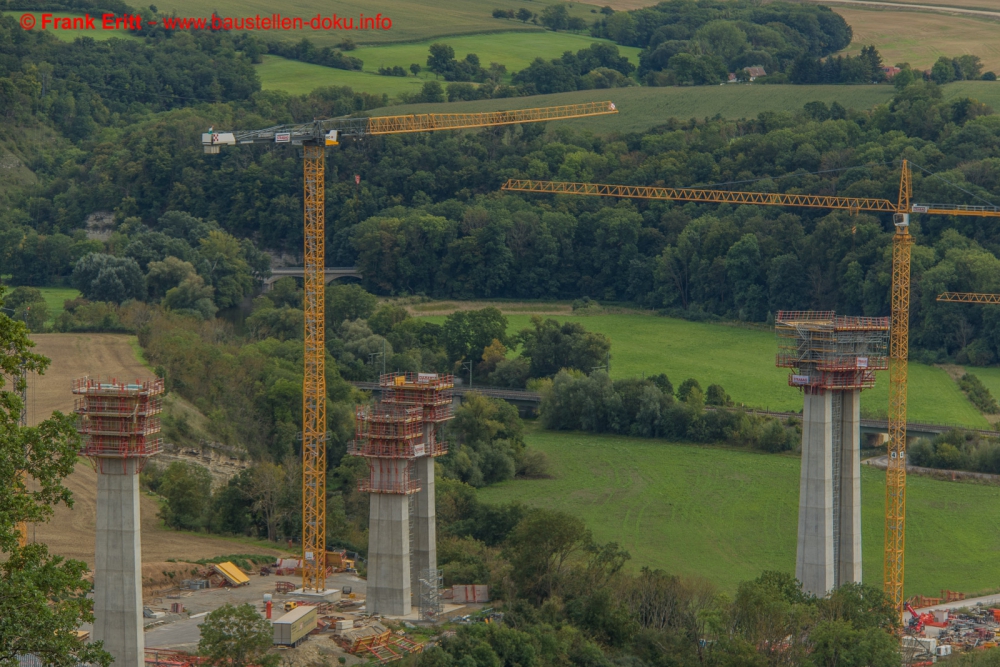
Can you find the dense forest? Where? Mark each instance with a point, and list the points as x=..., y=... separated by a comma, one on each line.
x=426, y=218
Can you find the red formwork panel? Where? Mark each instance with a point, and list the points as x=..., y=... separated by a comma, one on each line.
x=118, y=406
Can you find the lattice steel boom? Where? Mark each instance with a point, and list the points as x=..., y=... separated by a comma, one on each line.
x=314, y=137
x=895, y=516
x=968, y=297
x=709, y=196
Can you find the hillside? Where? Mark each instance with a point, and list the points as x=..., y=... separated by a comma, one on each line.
x=643, y=108
x=742, y=361
x=514, y=50
x=728, y=515
x=70, y=533
x=920, y=38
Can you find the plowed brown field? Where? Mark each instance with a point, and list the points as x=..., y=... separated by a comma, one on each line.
x=71, y=531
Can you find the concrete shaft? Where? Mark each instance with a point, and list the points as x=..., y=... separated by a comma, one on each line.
x=388, y=590
x=849, y=554
x=828, y=553
x=118, y=562
x=425, y=519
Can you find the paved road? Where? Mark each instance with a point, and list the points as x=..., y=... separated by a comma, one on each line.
x=882, y=462
x=925, y=8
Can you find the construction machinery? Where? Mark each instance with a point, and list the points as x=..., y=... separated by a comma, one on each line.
x=895, y=490
x=314, y=138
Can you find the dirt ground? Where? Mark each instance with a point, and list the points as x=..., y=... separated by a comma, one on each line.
x=71, y=531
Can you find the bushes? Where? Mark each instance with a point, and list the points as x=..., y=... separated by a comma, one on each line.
x=102, y=277
x=957, y=450
x=641, y=408
x=29, y=307
x=979, y=394
x=488, y=444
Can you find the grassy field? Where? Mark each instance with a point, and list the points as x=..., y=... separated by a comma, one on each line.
x=920, y=38
x=729, y=514
x=643, y=108
x=299, y=78
x=54, y=298
x=989, y=5
x=516, y=50
x=70, y=35
x=742, y=361
x=412, y=20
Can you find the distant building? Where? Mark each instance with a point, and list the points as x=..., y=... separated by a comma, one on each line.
x=754, y=72
x=891, y=71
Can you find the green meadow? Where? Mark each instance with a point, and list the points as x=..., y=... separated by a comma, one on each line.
x=54, y=298
x=742, y=361
x=642, y=108
x=515, y=50
x=300, y=78
x=727, y=514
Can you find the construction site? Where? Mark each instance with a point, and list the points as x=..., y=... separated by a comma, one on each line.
x=317, y=603
x=398, y=437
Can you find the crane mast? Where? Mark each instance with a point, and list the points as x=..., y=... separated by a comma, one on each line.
x=899, y=348
x=895, y=490
x=314, y=138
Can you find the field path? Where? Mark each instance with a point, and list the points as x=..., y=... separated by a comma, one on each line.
x=70, y=533
x=947, y=9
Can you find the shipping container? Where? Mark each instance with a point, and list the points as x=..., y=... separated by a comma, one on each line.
x=292, y=628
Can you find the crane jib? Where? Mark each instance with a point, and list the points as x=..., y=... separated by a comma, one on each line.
x=319, y=132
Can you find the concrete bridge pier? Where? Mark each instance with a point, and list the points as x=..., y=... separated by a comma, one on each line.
x=828, y=553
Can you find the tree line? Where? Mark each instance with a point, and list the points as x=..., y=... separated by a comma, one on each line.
x=649, y=408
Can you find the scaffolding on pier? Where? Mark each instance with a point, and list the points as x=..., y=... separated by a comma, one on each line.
x=827, y=351
x=117, y=419
x=430, y=391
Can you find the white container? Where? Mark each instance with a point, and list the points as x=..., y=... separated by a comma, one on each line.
x=941, y=615
x=293, y=627
x=943, y=650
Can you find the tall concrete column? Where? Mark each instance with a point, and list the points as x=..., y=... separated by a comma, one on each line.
x=118, y=562
x=425, y=518
x=814, y=565
x=849, y=565
x=388, y=589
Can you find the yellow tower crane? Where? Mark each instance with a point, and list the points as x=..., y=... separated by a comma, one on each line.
x=895, y=487
x=314, y=138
